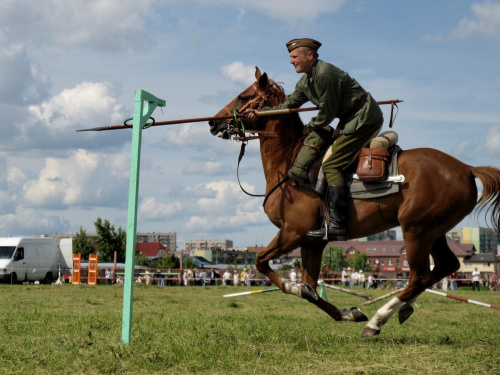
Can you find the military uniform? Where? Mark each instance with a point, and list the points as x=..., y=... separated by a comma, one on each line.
x=337, y=95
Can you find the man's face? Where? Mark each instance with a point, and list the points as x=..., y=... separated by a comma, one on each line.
x=302, y=60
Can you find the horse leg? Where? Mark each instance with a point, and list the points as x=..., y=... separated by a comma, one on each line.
x=281, y=245
x=445, y=263
x=311, y=266
x=417, y=250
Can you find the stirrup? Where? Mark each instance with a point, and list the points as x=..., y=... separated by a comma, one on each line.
x=327, y=234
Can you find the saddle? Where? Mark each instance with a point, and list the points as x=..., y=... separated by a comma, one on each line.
x=372, y=174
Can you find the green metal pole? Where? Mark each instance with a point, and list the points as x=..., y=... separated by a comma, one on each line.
x=145, y=104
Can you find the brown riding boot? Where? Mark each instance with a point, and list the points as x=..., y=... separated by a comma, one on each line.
x=337, y=208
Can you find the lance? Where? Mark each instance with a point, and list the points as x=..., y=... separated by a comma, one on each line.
x=279, y=112
x=462, y=299
x=251, y=292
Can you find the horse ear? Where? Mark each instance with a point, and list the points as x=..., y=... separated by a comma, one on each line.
x=263, y=81
x=257, y=73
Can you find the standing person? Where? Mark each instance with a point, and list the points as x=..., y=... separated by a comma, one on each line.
x=361, y=280
x=197, y=277
x=337, y=95
x=236, y=278
x=185, y=277
x=344, y=276
x=109, y=276
x=248, y=278
x=444, y=284
x=226, y=277
x=243, y=276
x=369, y=283
x=293, y=275
x=354, y=279
x=476, y=276
x=160, y=278
x=190, y=275
x=494, y=282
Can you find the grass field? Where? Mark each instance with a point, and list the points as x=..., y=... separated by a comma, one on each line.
x=50, y=329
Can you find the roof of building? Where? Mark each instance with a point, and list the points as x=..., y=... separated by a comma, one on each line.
x=461, y=249
x=483, y=257
x=371, y=248
x=149, y=249
x=391, y=248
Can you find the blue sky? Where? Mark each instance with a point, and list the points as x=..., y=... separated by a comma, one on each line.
x=67, y=65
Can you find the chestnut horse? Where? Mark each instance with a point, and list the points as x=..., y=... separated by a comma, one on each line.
x=438, y=192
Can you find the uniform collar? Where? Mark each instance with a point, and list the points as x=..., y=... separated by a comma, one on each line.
x=312, y=72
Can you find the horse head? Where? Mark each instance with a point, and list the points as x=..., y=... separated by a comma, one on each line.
x=263, y=92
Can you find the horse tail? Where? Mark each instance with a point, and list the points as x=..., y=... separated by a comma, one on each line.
x=490, y=178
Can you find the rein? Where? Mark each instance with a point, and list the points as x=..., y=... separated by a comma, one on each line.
x=257, y=104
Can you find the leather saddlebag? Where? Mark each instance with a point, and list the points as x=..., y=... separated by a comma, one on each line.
x=372, y=166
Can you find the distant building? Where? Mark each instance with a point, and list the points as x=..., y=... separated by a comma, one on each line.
x=485, y=240
x=167, y=239
x=193, y=245
x=150, y=249
x=387, y=235
x=390, y=256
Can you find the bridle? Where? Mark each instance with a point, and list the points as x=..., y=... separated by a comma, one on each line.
x=235, y=126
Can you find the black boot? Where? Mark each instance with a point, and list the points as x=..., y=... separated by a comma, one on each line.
x=337, y=208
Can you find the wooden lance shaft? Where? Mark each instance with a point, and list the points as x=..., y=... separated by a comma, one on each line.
x=279, y=112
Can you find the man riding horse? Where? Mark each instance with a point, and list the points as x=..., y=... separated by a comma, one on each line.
x=337, y=95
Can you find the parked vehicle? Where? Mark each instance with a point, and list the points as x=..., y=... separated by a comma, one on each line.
x=28, y=259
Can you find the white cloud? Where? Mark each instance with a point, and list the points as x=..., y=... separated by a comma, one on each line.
x=239, y=72
x=98, y=24
x=27, y=221
x=289, y=11
x=205, y=168
x=80, y=105
x=485, y=22
x=151, y=209
x=227, y=209
x=492, y=144
x=82, y=179
x=22, y=80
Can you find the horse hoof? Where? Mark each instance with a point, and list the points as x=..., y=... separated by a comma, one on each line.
x=309, y=293
x=369, y=332
x=357, y=315
x=405, y=313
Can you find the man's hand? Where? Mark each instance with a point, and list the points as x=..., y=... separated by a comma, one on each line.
x=249, y=117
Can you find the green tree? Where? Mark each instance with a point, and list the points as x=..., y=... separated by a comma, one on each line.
x=359, y=262
x=110, y=240
x=141, y=260
x=187, y=263
x=169, y=261
x=334, y=258
x=82, y=244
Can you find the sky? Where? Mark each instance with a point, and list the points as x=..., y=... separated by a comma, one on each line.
x=68, y=65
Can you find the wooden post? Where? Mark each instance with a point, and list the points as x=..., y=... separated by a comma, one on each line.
x=382, y=297
x=145, y=104
x=348, y=291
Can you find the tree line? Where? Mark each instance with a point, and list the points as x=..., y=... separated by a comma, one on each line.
x=109, y=239
x=335, y=259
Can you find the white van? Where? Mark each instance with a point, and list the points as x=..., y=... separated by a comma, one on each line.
x=28, y=259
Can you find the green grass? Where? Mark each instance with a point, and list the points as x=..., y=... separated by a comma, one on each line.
x=77, y=330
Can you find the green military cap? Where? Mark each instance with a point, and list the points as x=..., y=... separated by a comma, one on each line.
x=304, y=42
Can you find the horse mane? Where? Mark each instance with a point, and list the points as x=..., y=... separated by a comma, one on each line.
x=290, y=129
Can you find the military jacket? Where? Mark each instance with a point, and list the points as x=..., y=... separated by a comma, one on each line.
x=336, y=95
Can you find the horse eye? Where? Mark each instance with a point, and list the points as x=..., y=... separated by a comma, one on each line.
x=241, y=99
